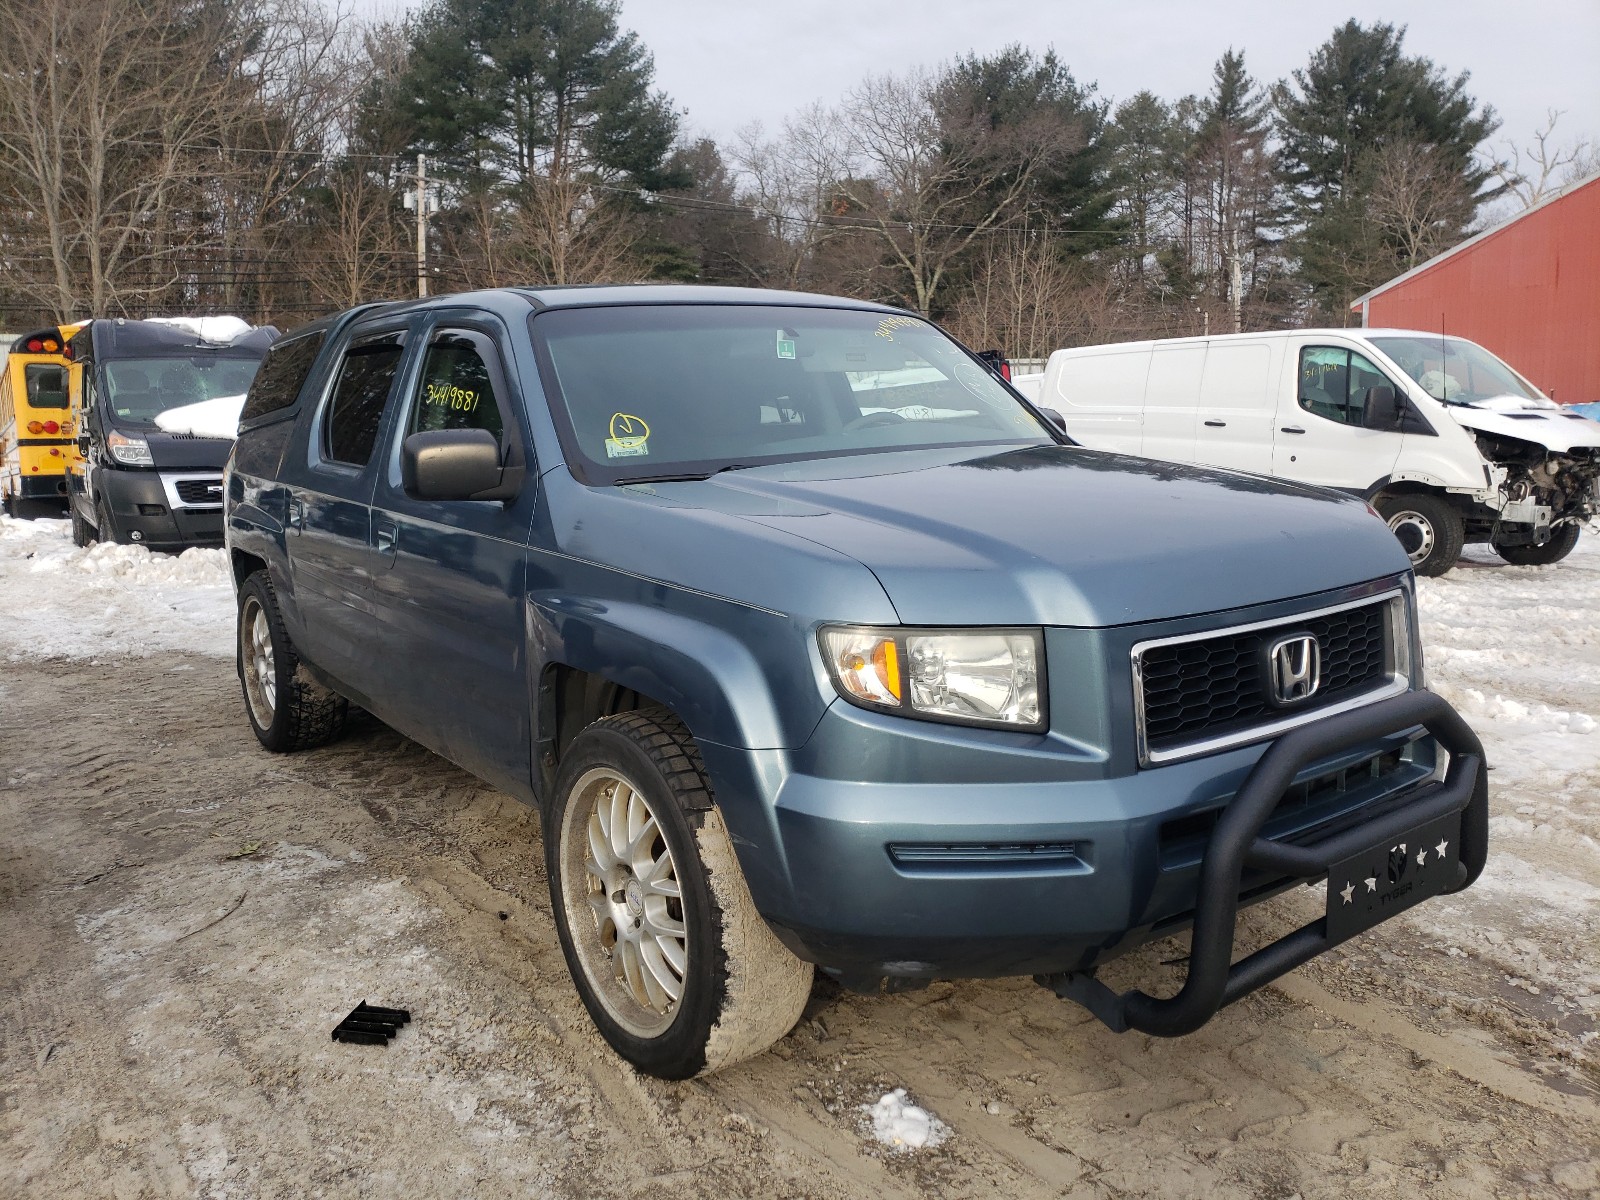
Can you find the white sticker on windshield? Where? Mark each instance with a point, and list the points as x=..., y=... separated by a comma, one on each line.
x=630, y=437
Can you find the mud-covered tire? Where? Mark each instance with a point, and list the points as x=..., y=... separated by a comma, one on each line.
x=287, y=708
x=83, y=533
x=1560, y=545
x=632, y=789
x=1430, y=531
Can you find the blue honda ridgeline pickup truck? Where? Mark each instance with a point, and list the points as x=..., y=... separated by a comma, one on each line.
x=816, y=646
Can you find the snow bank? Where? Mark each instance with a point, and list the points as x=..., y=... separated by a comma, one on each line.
x=216, y=418
x=901, y=1125
x=107, y=601
x=208, y=329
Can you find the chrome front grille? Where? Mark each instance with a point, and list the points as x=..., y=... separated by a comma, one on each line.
x=1202, y=692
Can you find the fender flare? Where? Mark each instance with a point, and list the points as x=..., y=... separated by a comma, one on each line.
x=710, y=678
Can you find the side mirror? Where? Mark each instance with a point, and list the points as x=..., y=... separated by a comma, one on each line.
x=1382, y=409
x=456, y=464
x=1054, y=418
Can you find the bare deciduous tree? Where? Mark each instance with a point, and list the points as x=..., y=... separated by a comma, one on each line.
x=792, y=183
x=1418, y=204
x=107, y=111
x=564, y=231
x=1535, y=172
x=1021, y=298
x=929, y=177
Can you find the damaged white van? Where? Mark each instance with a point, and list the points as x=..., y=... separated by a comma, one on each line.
x=1446, y=441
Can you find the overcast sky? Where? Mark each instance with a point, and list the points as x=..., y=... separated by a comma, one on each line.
x=729, y=62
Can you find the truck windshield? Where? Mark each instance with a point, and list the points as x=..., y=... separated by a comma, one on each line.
x=653, y=391
x=1453, y=369
x=137, y=389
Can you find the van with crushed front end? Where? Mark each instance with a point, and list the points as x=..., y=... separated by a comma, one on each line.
x=1445, y=440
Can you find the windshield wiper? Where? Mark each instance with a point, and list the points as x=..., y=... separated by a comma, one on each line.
x=687, y=476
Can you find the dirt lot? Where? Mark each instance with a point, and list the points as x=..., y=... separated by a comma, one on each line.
x=183, y=918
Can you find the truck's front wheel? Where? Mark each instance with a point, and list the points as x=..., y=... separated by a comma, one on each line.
x=1560, y=545
x=1430, y=531
x=675, y=965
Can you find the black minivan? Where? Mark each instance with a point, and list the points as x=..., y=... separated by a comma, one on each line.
x=138, y=482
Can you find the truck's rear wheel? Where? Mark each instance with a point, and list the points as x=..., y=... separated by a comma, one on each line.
x=1430, y=531
x=287, y=708
x=675, y=965
x=1560, y=545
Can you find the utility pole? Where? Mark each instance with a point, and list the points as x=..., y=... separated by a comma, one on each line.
x=422, y=227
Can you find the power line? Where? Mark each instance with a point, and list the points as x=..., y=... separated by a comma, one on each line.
x=678, y=200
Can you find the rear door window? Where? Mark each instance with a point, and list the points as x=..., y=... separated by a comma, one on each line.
x=360, y=394
x=283, y=373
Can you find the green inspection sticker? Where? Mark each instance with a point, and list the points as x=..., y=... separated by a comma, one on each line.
x=785, y=345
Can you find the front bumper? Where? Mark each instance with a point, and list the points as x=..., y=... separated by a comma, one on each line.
x=922, y=866
x=1460, y=801
x=147, y=503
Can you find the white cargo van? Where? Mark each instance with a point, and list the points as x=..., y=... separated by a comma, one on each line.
x=1446, y=441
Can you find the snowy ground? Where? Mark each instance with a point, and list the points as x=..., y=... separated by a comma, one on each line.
x=183, y=917
x=107, y=601
x=1517, y=650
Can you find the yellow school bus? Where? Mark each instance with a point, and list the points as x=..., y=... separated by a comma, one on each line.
x=36, y=441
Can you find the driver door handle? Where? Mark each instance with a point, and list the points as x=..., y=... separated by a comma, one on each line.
x=1291, y=429
x=384, y=536
x=297, y=515
x=1217, y=424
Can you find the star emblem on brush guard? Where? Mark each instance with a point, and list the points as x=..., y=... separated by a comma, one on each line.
x=1372, y=883
x=1442, y=847
x=1348, y=892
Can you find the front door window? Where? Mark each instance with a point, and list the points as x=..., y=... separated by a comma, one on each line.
x=1334, y=382
x=456, y=391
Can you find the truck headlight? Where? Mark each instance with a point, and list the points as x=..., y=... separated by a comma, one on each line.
x=990, y=677
x=129, y=451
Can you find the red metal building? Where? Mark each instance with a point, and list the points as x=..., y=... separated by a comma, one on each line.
x=1527, y=289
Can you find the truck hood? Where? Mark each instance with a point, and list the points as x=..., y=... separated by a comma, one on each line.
x=1542, y=422
x=1058, y=535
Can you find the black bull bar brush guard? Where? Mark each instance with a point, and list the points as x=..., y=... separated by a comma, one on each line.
x=1390, y=850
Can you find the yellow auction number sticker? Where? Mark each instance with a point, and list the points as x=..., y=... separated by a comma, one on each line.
x=447, y=395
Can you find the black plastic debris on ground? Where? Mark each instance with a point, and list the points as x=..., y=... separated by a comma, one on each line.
x=370, y=1025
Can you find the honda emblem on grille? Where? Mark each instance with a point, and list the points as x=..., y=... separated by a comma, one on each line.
x=1294, y=669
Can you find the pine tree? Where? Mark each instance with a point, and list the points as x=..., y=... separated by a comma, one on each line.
x=1142, y=141
x=1340, y=120
x=1233, y=181
x=541, y=118
x=1012, y=89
